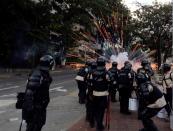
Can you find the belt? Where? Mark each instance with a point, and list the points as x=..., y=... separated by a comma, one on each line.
x=79, y=78
x=100, y=93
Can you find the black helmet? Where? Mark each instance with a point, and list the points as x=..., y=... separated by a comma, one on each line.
x=128, y=66
x=126, y=62
x=94, y=65
x=144, y=62
x=166, y=67
x=46, y=62
x=101, y=61
x=141, y=78
x=114, y=64
x=88, y=63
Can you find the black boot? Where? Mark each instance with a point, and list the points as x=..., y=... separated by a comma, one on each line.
x=100, y=128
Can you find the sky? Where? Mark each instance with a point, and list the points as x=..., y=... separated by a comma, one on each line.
x=132, y=3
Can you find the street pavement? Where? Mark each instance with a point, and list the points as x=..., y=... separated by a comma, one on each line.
x=120, y=122
x=63, y=110
x=64, y=113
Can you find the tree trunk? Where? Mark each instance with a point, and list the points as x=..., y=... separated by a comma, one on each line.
x=158, y=52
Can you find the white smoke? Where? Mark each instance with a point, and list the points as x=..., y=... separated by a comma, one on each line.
x=121, y=58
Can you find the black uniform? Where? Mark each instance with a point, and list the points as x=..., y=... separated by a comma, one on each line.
x=89, y=100
x=37, y=96
x=125, y=80
x=114, y=85
x=154, y=102
x=81, y=82
x=100, y=79
x=147, y=70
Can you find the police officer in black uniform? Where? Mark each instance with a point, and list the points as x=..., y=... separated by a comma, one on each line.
x=125, y=80
x=153, y=99
x=114, y=86
x=89, y=100
x=81, y=81
x=147, y=70
x=37, y=95
x=100, y=80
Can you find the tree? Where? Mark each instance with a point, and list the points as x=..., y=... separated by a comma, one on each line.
x=153, y=24
x=76, y=11
x=23, y=23
x=26, y=24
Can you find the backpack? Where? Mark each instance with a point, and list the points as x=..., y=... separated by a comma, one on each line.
x=144, y=91
x=149, y=92
x=114, y=73
x=35, y=80
x=99, y=80
x=124, y=77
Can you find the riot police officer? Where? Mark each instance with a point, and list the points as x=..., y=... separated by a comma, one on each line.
x=89, y=99
x=147, y=70
x=81, y=81
x=125, y=80
x=37, y=95
x=114, y=71
x=100, y=80
x=167, y=83
x=153, y=99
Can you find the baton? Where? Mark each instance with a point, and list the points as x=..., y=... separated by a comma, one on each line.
x=20, y=125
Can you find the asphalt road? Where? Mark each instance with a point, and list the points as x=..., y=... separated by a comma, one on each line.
x=63, y=110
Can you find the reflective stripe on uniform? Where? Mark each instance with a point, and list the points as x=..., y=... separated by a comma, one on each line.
x=79, y=78
x=100, y=93
x=161, y=102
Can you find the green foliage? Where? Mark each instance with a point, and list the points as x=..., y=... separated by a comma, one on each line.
x=26, y=23
x=153, y=25
x=155, y=19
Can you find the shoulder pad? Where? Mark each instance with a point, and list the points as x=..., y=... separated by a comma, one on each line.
x=36, y=74
x=35, y=79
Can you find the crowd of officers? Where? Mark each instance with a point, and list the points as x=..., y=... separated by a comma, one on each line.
x=98, y=86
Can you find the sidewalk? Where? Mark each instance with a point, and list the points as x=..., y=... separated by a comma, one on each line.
x=120, y=122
